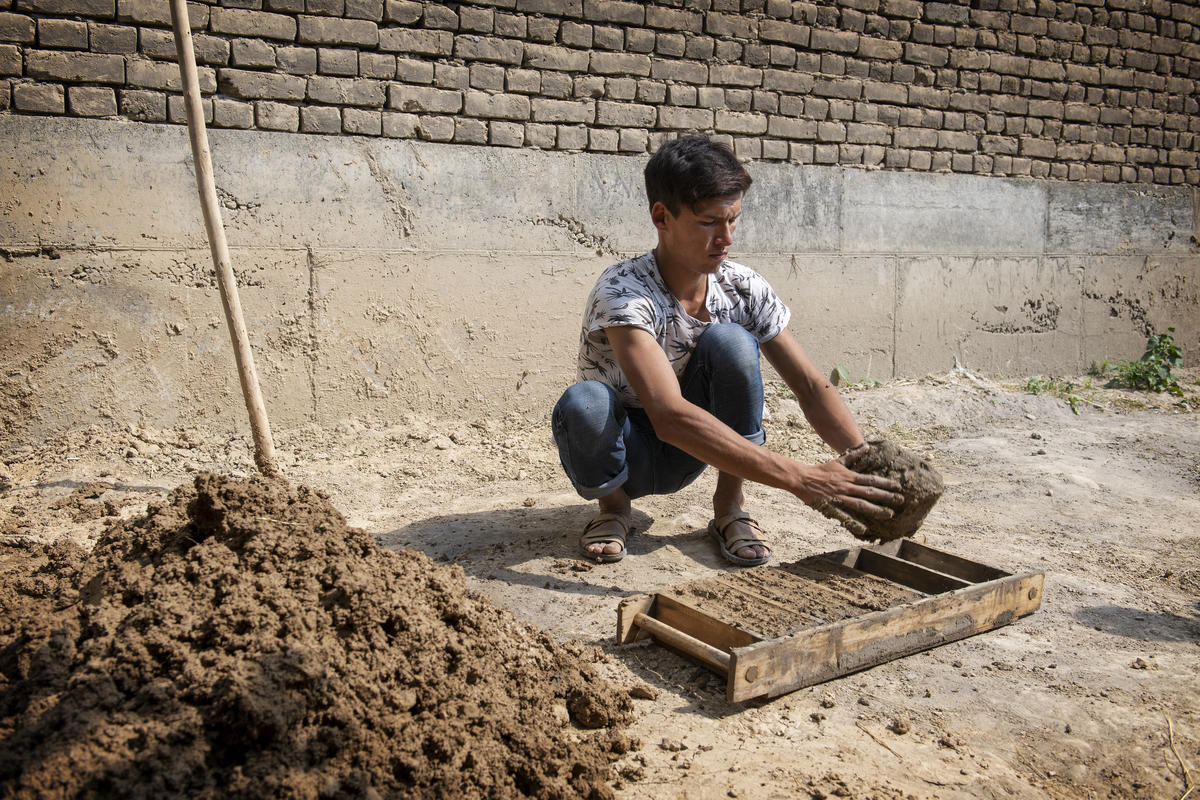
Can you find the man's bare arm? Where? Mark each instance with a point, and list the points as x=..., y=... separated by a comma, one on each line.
x=821, y=403
x=697, y=432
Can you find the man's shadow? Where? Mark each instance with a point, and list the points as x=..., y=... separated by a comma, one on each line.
x=490, y=545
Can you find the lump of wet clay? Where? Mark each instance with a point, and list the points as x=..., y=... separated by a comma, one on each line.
x=920, y=484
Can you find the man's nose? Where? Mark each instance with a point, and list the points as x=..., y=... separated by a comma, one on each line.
x=725, y=232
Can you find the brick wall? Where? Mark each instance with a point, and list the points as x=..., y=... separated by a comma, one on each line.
x=1092, y=90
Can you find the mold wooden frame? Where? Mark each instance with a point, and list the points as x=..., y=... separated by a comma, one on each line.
x=963, y=598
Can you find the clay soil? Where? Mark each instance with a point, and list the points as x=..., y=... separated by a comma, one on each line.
x=1097, y=695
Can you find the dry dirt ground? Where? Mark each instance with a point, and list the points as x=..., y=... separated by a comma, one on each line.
x=1095, y=695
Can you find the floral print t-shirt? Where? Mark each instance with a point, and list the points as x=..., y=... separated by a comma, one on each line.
x=632, y=293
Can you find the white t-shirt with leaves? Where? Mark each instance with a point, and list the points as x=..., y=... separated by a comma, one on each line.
x=633, y=293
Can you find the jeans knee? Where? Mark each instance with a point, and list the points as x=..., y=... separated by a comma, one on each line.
x=585, y=408
x=730, y=345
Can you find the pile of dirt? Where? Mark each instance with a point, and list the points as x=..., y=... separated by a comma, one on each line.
x=240, y=640
x=920, y=484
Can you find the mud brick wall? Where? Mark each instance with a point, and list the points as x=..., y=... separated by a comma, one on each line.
x=1094, y=90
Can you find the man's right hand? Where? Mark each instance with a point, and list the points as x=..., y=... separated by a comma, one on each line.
x=840, y=493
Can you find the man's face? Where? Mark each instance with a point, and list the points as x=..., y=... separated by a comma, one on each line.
x=698, y=238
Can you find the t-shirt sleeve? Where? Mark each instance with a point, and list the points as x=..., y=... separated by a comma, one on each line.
x=614, y=302
x=765, y=315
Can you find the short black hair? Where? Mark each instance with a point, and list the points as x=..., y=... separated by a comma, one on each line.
x=692, y=169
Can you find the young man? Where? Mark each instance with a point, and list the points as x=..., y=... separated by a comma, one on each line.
x=670, y=381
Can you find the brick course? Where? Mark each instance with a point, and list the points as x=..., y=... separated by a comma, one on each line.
x=1073, y=91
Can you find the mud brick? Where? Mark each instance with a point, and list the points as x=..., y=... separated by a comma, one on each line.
x=161, y=44
x=1009, y=64
x=1004, y=145
x=1027, y=25
x=540, y=56
x=614, y=11
x=915, y=137
x=439, y=17
x=669, y=19
x=684, y=118
x=271, y=116
x=506, y=134
x=625, y=115
x=571, y=137
x=399, y=126
x=946, y=13
x=970, y=101
x=416, y=42
x=957, y=140
x=402, y=97
x=734, y=75
x=1108, y=153
x=475, y=20
x=453, y=76
x=325, y=30
x=633, y=140
x=681, y=95
x=765, y=101
x=620, y=88
x=788, y=81
x=284, y=6
x=740, y=122
x=786, y=32
x=97, y=9
x=730, y=26
x=1050, y=109
x=619, y=64
x=10, y=59
x=362, y=122
x=297, y=60
x=866, y=133
x=470, y=131
x=63, y=34
x=165, y=76
x=544, y=30
x=774, y=150
x=487, y=48
x=573, y=34
x=1081, y=112
x=249, y=85
x=489, y=77
x=1034, y=147
x=969, y=59
x=365, y=9
x=869, y=47
x=377, y=65
x=263, y=24
x=557, y=85
x=523, y=81
x=39, y=98
x=639, y=40
x=928, y=97
x=561, y=8
x=653, y=92
x=112, y=38
x=834, y=41
x=825, y=154
x=1077, y=151
x=320, y=119
x=91, y=101
x=337, y=61
x=496, y=106
x=1047, y=70
x=845, y=88
x=17, y=28
x=700, y=47
x=347, y=91
x=143, y=105
x=710, y=97
x=925, y=54
x=685, y=72
x=603, y=141
x=177, y=109
x=329, y=8
x=880, y=92
x=1115, y=116
x=75, y=67
x=402, y=12
x=252, y=53
x=606, y=38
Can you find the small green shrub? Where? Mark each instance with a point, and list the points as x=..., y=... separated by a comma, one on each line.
x=1152, y=372
x=1055, y=387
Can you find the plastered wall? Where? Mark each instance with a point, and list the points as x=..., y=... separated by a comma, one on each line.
x=381, y=277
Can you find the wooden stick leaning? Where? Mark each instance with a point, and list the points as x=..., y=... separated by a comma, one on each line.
x=264, y=447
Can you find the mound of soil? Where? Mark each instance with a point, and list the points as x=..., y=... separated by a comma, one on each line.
x=920, y=484
x=241, y=641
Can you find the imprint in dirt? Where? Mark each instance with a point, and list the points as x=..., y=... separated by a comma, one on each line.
x=241, y=640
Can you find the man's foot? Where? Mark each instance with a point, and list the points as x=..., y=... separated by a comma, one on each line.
x=603, y=539
x=740, y=539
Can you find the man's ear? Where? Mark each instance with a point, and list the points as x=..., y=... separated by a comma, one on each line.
x=658, y=215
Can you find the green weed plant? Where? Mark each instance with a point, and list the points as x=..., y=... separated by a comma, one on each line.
x=1151, y=372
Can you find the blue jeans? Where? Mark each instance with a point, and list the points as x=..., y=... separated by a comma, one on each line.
x=605, y=446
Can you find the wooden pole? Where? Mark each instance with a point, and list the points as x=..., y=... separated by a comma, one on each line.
x=264, y=447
